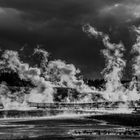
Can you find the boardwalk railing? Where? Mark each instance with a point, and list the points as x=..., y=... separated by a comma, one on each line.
x=107, y=105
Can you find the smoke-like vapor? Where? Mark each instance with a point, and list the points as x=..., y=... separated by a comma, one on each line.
x=43, y=93
x=66, y=75
x=44, y=57
x=91, y=31
x=115, y=64
x=62, y=74
x=136, y=51
x=50, y=75
x=113, y=71
x=43, y=90
x=135, y=83
x=10, y=100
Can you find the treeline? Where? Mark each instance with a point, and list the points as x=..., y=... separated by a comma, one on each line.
x=11, y=78
x=100, y=83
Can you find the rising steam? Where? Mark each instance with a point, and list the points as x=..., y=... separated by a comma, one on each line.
x=134, y=85
x=44, y=79
x=42, y=91
x=115, y=64
x=51, y=74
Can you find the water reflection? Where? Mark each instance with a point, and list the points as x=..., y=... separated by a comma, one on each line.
x=53, y=128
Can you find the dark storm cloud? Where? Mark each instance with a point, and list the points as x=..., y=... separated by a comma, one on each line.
x=50, y=17
x=125, y=11
x=52, y=14
x=40, y=13
x=57, y=25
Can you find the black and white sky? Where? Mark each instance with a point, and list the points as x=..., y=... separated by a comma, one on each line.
x=57, y=25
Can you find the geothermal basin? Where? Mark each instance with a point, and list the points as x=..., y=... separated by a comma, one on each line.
x=72, y=121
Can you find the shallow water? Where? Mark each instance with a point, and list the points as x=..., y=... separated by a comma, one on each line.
x=55, y=128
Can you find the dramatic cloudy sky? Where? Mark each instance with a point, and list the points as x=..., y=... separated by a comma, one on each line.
x=57, y=25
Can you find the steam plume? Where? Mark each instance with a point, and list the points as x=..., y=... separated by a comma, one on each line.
x=115, y=64
x=66, y=75
x=134, y=85
x=43, y=89
x=51, y=74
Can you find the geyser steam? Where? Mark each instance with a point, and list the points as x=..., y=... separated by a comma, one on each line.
x=42, y=89
x=115, y=64
x=134, y=85
x=44, y=79
x=51, y=74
